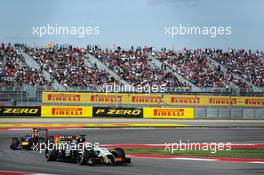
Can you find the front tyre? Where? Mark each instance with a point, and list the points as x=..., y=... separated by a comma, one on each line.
x=119, y=153
x=120, y=156
x=83, y=158
x=14, y=143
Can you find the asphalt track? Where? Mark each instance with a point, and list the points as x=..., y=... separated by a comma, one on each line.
x=33, y=161
x=193, y=123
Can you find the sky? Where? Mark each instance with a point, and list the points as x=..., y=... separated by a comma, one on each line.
x=135, y=22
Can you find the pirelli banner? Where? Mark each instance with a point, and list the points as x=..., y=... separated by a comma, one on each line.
x=117, y=112
x=109, y=98
x=64, y=97
x=81, y=98
x=115, y=98
x=100, y=98
x=20, y=111
x=175, y=113
x=149, y=99
x=66, y=111
x=200, y=100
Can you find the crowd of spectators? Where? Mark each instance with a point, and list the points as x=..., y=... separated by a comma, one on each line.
x=133, y=66
x=248, y=65
x=195, y=67
x=14, y=73
x=67, y=65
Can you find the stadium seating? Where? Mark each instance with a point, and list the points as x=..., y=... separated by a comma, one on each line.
x=248, y=65
x=133, y=66
x=68, y=66
x=14, y=72
x=194, y=66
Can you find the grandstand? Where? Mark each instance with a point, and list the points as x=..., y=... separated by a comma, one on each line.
x=65, y=68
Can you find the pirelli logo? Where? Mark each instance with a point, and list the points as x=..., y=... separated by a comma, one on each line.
x=180, y=113
x=185, y=100
x=168, y=112
x=106, y=98
x=64, y=97
x=255, y=102
x=67, y=111
x=223, y=101
x=146, y=99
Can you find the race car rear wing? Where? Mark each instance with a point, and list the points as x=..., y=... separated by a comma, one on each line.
x=58, y=138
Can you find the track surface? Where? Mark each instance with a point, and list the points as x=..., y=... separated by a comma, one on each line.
x=33, y=161
x=210, y=123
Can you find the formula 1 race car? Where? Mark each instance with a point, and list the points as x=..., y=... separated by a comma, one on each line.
x=77, y=150
x=30, y=142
